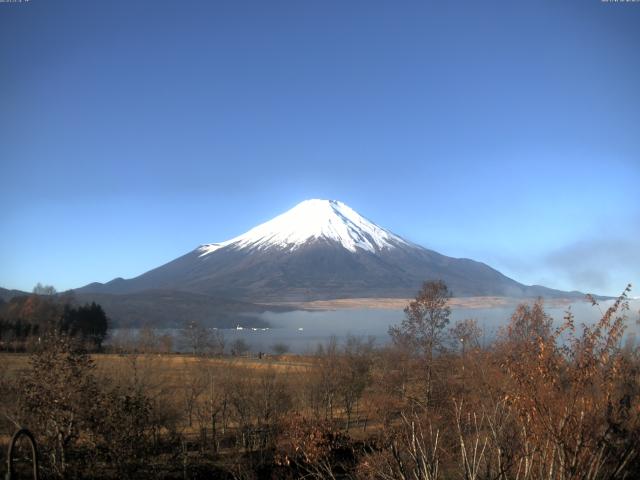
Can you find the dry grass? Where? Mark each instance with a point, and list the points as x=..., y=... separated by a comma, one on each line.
x=165, y=375
x=15, y=362
x=400, y=303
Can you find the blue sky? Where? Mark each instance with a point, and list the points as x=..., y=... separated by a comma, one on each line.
x=507, y=132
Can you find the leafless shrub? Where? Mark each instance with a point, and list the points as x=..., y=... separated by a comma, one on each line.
x=412, y=451
x=314, y=450
x=59, y=400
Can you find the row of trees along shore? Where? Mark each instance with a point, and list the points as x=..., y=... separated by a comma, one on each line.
x=25, y=320
x=544, y=400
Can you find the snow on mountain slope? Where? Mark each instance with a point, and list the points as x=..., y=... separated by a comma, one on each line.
x=312, y=220
x=318, y=250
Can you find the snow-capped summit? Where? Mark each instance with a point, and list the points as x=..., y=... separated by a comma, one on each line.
x=314, y=220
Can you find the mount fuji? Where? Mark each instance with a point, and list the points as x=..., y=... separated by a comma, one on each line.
x=320, y=249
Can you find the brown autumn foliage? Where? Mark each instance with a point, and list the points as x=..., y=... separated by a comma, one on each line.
x=546, y=400
x=313, y=449
x=574, y=398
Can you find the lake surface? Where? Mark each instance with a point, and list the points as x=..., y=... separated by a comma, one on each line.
x=302, y=331
x=320, y=326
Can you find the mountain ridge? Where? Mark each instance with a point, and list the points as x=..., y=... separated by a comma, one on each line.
x=318, y=250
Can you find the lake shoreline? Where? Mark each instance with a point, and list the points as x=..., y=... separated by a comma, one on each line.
x=400, y=303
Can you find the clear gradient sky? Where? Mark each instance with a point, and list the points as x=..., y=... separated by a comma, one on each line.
x=507, y=132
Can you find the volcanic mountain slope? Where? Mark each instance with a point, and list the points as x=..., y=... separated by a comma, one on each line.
x=320, y=249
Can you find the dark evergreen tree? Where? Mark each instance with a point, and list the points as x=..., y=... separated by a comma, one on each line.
x=88, y=322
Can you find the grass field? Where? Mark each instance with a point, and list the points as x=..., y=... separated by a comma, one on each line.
x=168, y=375
x=181, y=386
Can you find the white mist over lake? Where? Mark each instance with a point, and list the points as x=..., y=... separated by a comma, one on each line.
x=319, y=326
x=302, y=331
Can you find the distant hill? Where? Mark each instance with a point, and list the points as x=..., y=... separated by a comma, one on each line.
x=173, y=308
x=6, y=295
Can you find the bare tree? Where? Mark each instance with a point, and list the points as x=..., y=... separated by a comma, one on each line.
x=570, y=393
x=313, y=449
x=413, y=452
x=529, y=323
x=165, y=343
x=215, y=343
x=354, y=373
x=41, y=289
x=425, y=320
x=193, y=385
x=324, y=380
x=280, y=348
x=212, y=411
x=465, y=334
x=239, y=347
x=60, y=399
x=201, y=340
x=147, y=339
x=423, y=328
x=122, y=340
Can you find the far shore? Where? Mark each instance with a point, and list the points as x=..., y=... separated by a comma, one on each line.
x=400, y=303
